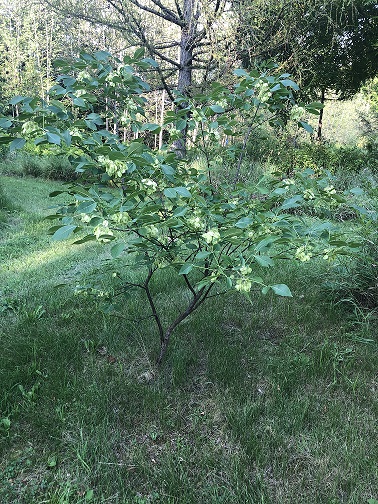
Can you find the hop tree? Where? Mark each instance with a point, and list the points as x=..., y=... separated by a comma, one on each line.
x=158, y=209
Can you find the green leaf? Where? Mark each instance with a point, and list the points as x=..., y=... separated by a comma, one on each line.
x=79, y=102
x=150, y=127
x=117, y=250
x=86, y=207
x=96, y=221
x=203, y=283
x=244, y=222
x=116, y=156
x=217, y=109
x=292, y=202
x=53, y=138
x=281, y=290
x=102, y=55
x=139, y=53
x=169, y=192
x=150, y=61
x=5, y=123
x=17, y=99
x=181, y=124
x=315, y=105
x=203, y=254
x=87, y=238
x=17, y=143
x=95, y=118
x=240, y=72
x=186, y=268
x=264, y=261
x=266, y=243
x=290, y=83
x=63, y=232
x=135, y=148
x=90, y=124
x=183, y=191
x=66, y=135
x=358, y=191
x=129, y=205
x=56, y=193
x=168, y=170
x=306, y=126
x=180, y=211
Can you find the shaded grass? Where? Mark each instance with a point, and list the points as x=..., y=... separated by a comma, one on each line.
x=258, y=401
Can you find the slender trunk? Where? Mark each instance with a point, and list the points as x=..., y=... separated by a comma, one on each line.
x=156, y=119
x=320, y=122
x=161, y=119
x=107, y=113
x=196, y=301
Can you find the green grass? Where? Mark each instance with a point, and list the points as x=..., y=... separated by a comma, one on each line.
x=270, y=401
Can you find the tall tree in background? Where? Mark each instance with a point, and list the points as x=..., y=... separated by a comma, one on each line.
x=183, y=36
x=329, y=47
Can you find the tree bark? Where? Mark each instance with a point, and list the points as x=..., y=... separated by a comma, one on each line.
x=320, y=122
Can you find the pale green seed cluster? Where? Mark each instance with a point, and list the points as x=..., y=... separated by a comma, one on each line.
x=113, y=168
x=243, y=284
x=303, y=254
x=212, y=236
x=329, y=189
x=308, y=194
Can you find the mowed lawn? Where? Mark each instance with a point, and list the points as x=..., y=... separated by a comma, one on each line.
x=261, y=400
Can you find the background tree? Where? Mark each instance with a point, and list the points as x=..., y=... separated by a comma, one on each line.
x=32, y=37
x=329, y=47
x=182, y=36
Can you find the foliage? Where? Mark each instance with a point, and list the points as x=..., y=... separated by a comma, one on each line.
x=290, y=154
x=5, y=205
x=326, y=45
x=166, y=213
x=330, y=157
x=49, y=166
x=358, y=282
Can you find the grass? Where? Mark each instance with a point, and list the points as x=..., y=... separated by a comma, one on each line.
x=273, y=401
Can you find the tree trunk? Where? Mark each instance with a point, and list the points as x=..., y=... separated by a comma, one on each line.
x=320, y=122
x=161, y=119
x=186, y=60
x=186, y=48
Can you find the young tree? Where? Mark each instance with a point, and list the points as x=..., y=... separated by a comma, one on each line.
x=161, y=211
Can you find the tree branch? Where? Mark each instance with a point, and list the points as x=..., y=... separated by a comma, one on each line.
x=164, y=14
x=152, y=304
x=193, y=305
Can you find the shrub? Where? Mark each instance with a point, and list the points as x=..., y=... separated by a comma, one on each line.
x=165, y=213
